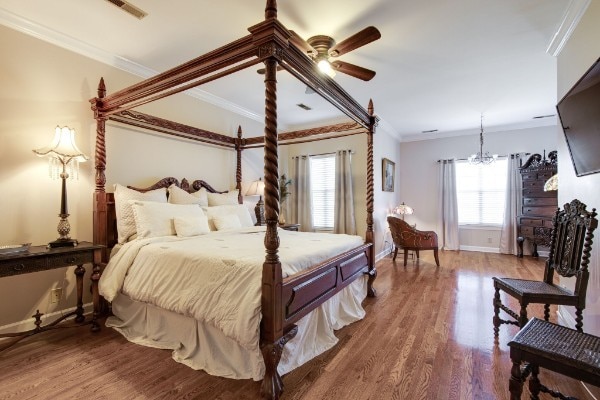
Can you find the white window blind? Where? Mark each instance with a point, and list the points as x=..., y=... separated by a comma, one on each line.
x=481, y=192
x=322, y=189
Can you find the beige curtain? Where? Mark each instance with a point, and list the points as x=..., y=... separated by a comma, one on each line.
x=344, y=199
x=300, y=201
x=448, y=205
x=508, y=235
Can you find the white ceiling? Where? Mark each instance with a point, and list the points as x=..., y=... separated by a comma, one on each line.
x=439, y=63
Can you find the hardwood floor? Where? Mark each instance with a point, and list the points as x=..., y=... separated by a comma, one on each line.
x=428, y=335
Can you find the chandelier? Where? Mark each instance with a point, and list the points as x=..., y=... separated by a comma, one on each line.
x=481, y=157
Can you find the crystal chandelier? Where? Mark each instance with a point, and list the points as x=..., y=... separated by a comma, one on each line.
x=481, y=157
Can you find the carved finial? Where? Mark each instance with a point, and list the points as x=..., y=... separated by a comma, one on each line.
x=271, y=9
x=101, y=88
x=370, y=108
x=239, y=132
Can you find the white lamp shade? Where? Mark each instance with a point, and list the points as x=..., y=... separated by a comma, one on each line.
x=551, y=184
x=63, y=147
x=257, y=188
x=403, y=209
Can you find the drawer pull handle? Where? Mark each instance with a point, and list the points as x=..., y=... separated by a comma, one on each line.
x=19, y=267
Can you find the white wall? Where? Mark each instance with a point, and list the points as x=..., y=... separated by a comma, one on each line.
x=418, y=178
x=44, y=86
x=580, y=52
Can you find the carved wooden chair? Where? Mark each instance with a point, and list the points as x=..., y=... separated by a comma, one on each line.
x=570, y=246
x=409, y=238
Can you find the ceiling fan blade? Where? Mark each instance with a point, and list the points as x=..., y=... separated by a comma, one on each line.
x=355, y=41
x=263, y=70
x=302, y=44
x=353, y=70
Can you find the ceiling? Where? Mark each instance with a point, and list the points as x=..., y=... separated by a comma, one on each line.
x=440, y=64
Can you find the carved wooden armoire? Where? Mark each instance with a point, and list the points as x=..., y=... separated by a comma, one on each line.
x=534, y=219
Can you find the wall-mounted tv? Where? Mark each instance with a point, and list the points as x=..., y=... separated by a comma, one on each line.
x=579, y=113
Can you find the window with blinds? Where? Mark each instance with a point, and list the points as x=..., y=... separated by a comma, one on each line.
x=322, y=188
x=481, y=192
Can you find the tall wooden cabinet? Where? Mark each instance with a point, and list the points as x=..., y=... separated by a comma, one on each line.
x=534, y=220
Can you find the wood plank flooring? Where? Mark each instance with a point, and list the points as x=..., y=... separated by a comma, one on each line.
x=427, y=335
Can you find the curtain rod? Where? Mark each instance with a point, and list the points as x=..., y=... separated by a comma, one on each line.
x=325, y=154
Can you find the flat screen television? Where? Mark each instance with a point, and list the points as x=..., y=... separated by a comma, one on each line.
x=579, y=113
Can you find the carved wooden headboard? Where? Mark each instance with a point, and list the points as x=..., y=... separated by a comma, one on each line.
x=105, y=206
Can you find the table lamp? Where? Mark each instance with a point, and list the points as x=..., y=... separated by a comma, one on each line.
x=257, y=188
x=403, y=209
x=63, y=152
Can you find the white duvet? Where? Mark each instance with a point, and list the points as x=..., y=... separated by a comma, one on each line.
x=214, y=278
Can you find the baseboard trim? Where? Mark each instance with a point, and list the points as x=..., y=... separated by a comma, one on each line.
x=28, y=324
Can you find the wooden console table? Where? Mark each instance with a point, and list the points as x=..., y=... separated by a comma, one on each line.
x=40, y=258
x=554, y=347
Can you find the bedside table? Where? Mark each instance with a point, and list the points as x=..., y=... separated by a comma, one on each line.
x=290, y=227
x=40, y=258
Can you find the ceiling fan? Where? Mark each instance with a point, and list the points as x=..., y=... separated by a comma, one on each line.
x=322, y=48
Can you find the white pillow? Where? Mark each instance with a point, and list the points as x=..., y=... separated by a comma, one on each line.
x=156, y=219
x=227, y=222
x=124, y=212
x=180, y=196
x=240, y=210
x=222, y=199
x=185, y=227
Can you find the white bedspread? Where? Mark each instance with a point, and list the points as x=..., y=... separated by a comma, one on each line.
x=214, y=278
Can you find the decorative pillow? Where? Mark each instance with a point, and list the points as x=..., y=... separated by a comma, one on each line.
x=239, y=210
x=227, y=222
x=180, y=196
x=124, y=211
x=156, y=219
x=185, y=227
x=222, y=199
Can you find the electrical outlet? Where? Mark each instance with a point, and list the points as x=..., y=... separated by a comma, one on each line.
x=489, y=240
x=55, y=295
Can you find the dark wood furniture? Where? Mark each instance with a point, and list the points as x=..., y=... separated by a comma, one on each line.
x=570, y=247
x=290, y=227
x=409, y=238
x=283, y=301
x=40, y=258
x=534, y=219
x=542, y=344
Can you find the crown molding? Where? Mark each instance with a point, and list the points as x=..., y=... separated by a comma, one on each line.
x=571, y=18
x=49, y=35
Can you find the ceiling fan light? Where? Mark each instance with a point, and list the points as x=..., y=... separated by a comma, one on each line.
x=325, y=67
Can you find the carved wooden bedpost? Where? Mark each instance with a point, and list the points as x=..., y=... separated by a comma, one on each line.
x=100, y=209
x=238, y=171
x=369, y=236
x=273, y=338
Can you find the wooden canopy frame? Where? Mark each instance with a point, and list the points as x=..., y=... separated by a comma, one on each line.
x=283, y=301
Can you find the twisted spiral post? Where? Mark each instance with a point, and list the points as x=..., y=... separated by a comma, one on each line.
x=369, y=235
x=100, y=154
x=238, y=171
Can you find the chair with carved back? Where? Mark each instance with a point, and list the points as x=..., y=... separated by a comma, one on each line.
x=409, y=238
x=569, y=256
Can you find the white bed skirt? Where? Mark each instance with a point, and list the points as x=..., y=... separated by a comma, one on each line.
x=203, y=347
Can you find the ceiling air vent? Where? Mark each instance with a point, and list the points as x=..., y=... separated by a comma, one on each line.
x=430, y=131
x=129, y=8
x=304, y=107
x=544, y=116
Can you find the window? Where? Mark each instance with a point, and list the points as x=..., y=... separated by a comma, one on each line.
x=480, y=191
x=322, y=189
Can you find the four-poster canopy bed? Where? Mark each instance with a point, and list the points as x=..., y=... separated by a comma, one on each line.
x=284, y=300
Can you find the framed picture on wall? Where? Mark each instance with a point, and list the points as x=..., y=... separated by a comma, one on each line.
x=388, y=168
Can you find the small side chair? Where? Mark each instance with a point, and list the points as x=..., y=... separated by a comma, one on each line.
x=570, y=246
x=409, y=238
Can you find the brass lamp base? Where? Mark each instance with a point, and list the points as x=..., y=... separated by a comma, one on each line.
x=63, y=243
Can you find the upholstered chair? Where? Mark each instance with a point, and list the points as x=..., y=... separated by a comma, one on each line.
x=409, y=238
x=569, y=256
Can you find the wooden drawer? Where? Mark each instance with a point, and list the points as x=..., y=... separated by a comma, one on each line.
x=541, y=211
x=538, y=192
x=533, y=185
x=532, y=222
x=540, y=201
x=66, y=260
x=526, y=230
x=22, y=266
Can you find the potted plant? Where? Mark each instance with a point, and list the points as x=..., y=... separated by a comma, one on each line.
x=284, y=193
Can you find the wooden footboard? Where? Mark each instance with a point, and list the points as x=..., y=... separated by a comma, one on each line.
x=305, y=291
